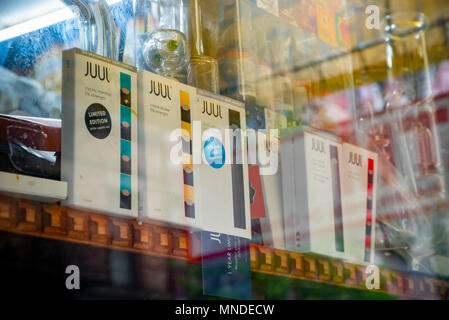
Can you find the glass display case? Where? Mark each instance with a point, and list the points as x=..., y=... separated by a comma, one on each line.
x=243, y=149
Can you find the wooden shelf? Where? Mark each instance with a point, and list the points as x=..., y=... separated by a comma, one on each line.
x=66, y=224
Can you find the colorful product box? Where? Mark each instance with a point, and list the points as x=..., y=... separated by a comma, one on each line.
x=326, y=25
x=359, y=189
x=99, y=133
x=257, y=203
x=306, y=16
x=343, y=32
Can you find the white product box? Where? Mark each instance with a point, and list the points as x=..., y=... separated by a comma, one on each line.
x=312, y=193
x=166, y=183
x=99, y=133
x=273, y=225
x=180, y=183
x=223, y=184
x=359, y=191
x=33, y=188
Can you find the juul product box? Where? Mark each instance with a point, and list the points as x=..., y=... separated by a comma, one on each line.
x=99, y=133
x=359, y=190
x=223, y=184
x=186, y=175
x=168, y=175
x=312, y=196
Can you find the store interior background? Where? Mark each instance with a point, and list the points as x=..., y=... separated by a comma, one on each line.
x=327, y=69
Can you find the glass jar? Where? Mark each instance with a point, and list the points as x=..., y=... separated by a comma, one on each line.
x=409, y=102
x=161, y=42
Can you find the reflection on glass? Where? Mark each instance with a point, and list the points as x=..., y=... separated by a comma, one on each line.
x=97, y=28
x=237, y=50
x=202, y=70
x=31, y=52
x=409, y=100
x=281, y=49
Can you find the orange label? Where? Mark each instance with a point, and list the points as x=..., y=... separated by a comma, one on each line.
x=326, y=25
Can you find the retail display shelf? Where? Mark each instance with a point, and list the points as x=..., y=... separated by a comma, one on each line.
x=56, y=222
x=441, y=23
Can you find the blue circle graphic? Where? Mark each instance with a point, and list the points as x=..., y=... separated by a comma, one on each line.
x=214, y=152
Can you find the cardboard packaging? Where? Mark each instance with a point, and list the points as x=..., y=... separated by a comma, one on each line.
x=311, y=193
x=329, y=196
x=359, y=190
x=223, y=184
x=99, y=133
x=167, y=185
x=257, y=203
x=186, y=176
x=269, y=225
x=33, y=188
x=273, y=225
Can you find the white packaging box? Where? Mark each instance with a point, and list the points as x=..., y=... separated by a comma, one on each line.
x=99, y=133
x=312, y=193
x=273, y=225
x=177, y=184
x=223, y=183
x=166, y=106
x=33, y=188
x=359, y=191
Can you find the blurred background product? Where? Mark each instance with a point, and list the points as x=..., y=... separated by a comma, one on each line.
x=281, y=52
x=236, y=50
x=202, y=70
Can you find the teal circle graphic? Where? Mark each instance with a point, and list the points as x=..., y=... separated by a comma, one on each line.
x=214, y=152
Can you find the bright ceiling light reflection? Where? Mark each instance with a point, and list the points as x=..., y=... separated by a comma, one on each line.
x=40, y=22
x=36, y=24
